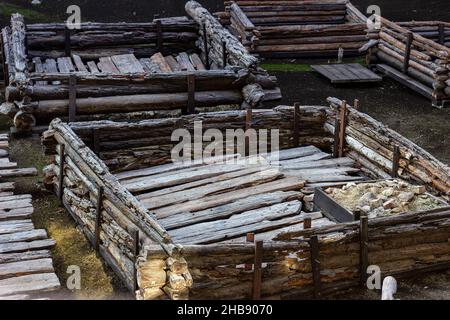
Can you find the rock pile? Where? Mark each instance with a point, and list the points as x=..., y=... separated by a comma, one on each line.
x=383, y=198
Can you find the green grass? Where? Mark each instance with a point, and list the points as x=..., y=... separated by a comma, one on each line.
x=286, y=67
x=7, y=9
x=299, y=67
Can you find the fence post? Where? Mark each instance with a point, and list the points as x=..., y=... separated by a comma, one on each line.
x=395, y=161
x=61, y=171
x=98, y=217
x=315, y=265
x=364, y=250
x=257, y=270
x=72, y=98
x=409, y=41
x=296, y=129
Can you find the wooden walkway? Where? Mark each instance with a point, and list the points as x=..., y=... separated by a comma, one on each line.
x=26, y=266
x=347, y=73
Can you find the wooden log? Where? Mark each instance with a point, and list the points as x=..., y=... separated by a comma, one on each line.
x=18, y=47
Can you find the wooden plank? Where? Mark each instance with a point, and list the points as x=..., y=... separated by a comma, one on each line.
x=406, y=80
x=346, y=73
x=7, y=186
x=21, y=268
x=106, y=65
x=173, y=63
x=127, y=63
x=159, y=60
x=228, y=209
x=92, y=66
x=285, y=184
x=16, y=213
x=50, y=66
x=13, y=226
x=65, y=65
x=26, y=246
x=331, y=208
x=197, y=62
x=22, y=256
x=37, y=234
x=185, y=62
x=39, y=67
x=79, y=63
x=29, y=284
x=19, y=172
x=149, y=65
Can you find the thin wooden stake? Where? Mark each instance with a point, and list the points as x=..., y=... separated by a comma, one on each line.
x=442, y=33
x=315, y=265
x=159, y=34
x=342, y=127
x=364, y=250
x=72, y=98
x=224, y=54
x=336, y=137
x=191, y=93
x=136, y=250
x=296, y=129
x=249, y=238
x=205, y=44
x=67, y=42
x=61, y=171
x=98, y=217
x=248, y=125
x=395, y=161
x=409, y=41
x=307, y=222
x=257, y=270
x=356, y=104
x=96, y=141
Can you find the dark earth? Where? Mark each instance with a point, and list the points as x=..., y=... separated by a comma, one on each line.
x=389, y=102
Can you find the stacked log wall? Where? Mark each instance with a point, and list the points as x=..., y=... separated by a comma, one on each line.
x=125, y=146
x=101, y=206
x=428, y=61
x=401, y=246
x=296, y=28
x=371, y=143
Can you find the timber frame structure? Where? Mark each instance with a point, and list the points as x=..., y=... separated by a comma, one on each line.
x=166, y=67
x=291, y=257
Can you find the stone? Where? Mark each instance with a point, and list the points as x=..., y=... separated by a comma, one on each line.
x=418, y=189
x=364, y=200
x=405, y=196
x=376, y=203
x=388, y=192
x=390, y=204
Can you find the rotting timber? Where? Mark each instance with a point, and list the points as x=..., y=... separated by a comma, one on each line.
x=166, y=67
x=187, y=230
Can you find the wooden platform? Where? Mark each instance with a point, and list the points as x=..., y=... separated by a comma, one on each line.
x=347, y=73
x=26, y=266
x=224, y=200
x=121, y=64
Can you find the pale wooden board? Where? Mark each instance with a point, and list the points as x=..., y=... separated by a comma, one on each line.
x=347, y=73
x=21, y=268
x=106, y=65
x=21, y=256
x=127, y=63
x=65, y=65
x=37, y=234
x=29, y=284
x=79, y=63
x=26, y=246
x=15, y=226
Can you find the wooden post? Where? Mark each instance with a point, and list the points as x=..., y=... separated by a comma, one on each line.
x=257, y=270
x=72, y=98
x=5, y=66
x=395, y=161
x=364, y=251
x=61, y=171
x=224, y=54
x=315, y=265
x=159, y=35
x=135, y=253
x=409, y=40
x=336, y=136
x=67, y=44
x=442, y=33
x=342, y=126
x=191, y=93
x=356, y=104
x=248, y=125
x=98, y=217
x=96, y=141
x=205, y=44
x=307, y=223
x=296, y=129
x=250, y=238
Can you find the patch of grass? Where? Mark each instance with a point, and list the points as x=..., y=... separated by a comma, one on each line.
x=7, y=9
x=286, y=67
x=72, y=248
